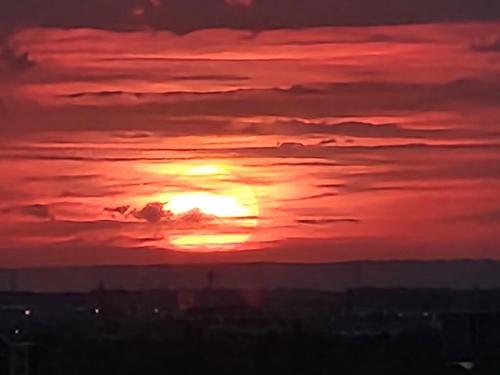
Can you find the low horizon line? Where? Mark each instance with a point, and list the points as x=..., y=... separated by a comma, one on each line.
x=283, y=263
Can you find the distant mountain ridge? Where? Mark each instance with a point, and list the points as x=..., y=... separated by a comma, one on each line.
x=462, y=274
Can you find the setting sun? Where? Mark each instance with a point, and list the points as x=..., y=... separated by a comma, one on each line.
x=207, y=203
x=219, y=195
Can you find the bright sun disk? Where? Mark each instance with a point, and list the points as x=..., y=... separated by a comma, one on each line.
x=221, y=197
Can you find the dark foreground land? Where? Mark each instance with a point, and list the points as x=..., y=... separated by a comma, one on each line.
x=363, y=331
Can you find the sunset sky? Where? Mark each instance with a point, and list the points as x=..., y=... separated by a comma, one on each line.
x=181, y=131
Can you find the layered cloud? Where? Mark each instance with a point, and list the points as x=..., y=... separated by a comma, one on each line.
x=366, y=129
x=223, y=81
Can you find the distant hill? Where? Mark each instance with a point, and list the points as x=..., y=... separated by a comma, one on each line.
x=331, y=277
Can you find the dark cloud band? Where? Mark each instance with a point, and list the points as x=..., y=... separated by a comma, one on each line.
x=183, y=16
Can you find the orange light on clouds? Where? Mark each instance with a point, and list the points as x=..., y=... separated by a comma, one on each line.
x=207, y=203
x=207, y=242
x=217, y=193
x=159, y=132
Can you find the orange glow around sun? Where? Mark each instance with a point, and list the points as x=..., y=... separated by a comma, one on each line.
x=218, y=194
x=209, y=204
